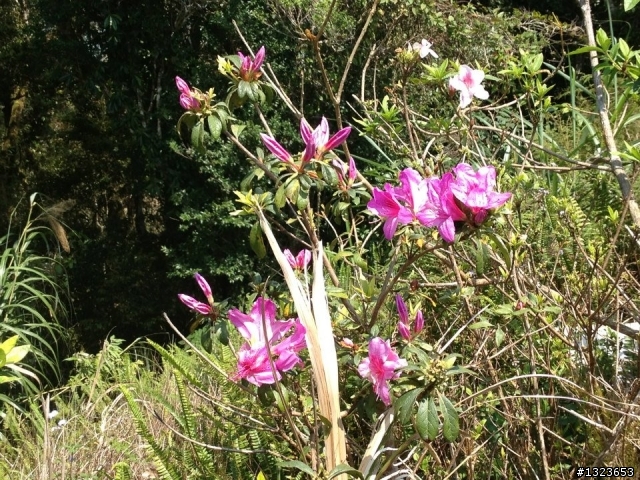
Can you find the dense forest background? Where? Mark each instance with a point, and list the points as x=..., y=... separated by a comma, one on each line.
x=89, y=109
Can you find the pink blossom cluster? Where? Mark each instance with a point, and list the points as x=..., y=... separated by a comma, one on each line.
x=403, y=325
x=317, y=142
x=271, y=345
x=250, y=68
x=463, y=195
x=188, y=97
x=380, y=367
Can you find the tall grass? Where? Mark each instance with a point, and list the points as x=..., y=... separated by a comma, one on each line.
x=33, y=297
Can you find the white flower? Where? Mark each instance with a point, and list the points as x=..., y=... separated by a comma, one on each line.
x=52, y=414
x=61, y=424
x=468, y=83
x=424, y=48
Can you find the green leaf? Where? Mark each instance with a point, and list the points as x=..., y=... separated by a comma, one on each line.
x=624, y=48
x=342, y=469
x=329, y=174
x=244, y=89
x=256, y=241
x=5, y=379
x=303, y=199
x=215, y=126
x=602, y=39
x=299, y=465
x=3, y=358
x=629, y=4
x=505, y=309
x=404, y=404
x=481, y=257
x=480, y=324
x=450, y=423
x=586, y=49
x=237, y=130
x=422, y=420
x=8, y=344
x=292, y=189
x=17, y=353
x=254, y=91
x=536, y=63
x=280, y=198
x=197, y=136
x=427, y=423
x=499, y=337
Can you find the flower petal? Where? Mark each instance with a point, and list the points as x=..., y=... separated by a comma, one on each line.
x=275, y=148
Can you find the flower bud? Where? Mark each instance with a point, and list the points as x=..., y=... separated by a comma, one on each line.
x=402, y=309
x=419, y=322
x=403, y=328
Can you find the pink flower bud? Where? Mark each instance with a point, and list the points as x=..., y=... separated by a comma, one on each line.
x=204, y=286
x=275, y=148
x=347, y=343
x=337, y=139
x=353, y=172
x=403, y=328
x=188, y=102
x=183, y=86
x=402, y=309
x=195, y=305
x=419, y=322
x=257, y=62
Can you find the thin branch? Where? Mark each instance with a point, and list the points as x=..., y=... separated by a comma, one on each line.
x=615, y=161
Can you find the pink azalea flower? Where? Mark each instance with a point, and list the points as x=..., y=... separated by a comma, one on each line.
x=317, y=141
x=425, y=49
x=468, y=83
x=260, y=328
x=413, y=192
x=403, y=204
x=380, y=367
x=254, y=365
x=188, y=100
x=441, y=211
x=300, y=261
x=250, y=69
x=385, y=205
x=475, y=190
x=194, y=304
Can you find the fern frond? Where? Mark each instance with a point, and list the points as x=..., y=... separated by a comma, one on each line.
x=161, y=459
x=202, y=455
x=183, y=367
x=122, y=471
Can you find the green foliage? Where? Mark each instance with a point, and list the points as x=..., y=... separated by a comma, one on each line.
x=210, y=421
x=33, y=304
x=522, y=300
